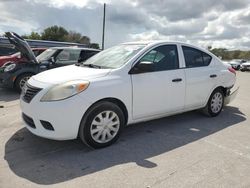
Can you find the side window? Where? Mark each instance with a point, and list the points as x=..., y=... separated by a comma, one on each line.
x=206, y=58
x=68, y=55
x=162, y=57
x=195, y=58
x=85, y=54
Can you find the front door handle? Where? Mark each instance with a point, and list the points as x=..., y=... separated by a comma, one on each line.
x=213, y=75
x=177, y=80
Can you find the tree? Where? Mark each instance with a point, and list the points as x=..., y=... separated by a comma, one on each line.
x=54, y=33
x=94, y=45
x=73, y=37
x=85, y=40
x=77, y=37
x=33, y=35
x=57, y=33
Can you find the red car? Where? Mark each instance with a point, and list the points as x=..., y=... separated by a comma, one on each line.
x=17, y=57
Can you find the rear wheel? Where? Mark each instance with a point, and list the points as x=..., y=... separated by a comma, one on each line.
x=102, y=125
x=21, y=80
x=215, y=103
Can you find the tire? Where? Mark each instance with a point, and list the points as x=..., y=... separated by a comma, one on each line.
x=215, y=103
x=21, y=80
x=94, y=133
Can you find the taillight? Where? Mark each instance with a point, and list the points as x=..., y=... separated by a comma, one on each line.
x=232, y=70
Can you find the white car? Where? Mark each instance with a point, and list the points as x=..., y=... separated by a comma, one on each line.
x=245, y=66
x=125, y=84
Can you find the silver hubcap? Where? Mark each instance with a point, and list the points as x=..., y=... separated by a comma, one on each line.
x=105, y=126
x=23, y=81
x=216, y=102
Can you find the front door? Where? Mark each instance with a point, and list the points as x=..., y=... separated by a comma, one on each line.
x=161, y=90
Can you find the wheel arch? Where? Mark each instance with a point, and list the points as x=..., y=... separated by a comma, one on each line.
x=116, y=101
x=22, y=73
x=224, y=90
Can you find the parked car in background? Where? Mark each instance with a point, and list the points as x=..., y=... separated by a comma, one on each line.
x=6, y=51
x=245, y=66
x=18, y=58
x=125, y=84
x=235, y=63
x=15, y=75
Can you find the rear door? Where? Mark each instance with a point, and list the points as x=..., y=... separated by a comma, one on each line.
x=161, y=90
x=201, y=76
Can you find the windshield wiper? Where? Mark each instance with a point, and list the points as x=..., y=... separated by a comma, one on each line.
x=91, y=66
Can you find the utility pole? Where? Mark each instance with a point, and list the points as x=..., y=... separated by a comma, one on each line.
x=103, y=24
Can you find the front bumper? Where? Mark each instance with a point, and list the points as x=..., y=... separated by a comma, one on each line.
x=231, y=96
x=63, y=116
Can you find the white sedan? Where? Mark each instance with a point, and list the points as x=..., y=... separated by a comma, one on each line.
x=125, y=84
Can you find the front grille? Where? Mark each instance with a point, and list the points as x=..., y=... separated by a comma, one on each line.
x=28, y=120
x=29, y=92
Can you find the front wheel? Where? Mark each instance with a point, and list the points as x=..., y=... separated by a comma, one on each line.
x=102, y=125
x=21, y=80
x=215, y=103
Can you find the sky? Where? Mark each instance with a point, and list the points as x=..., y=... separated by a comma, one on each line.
x=220, y=24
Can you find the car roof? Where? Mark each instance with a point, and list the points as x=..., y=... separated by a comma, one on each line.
x=159, y=42
x=39, y=48
x=155, y=42
x=75, y=47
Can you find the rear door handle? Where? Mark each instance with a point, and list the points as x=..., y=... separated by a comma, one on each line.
x=177, y=80
x=213, y=75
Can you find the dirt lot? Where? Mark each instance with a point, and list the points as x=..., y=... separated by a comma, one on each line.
x=186, y=150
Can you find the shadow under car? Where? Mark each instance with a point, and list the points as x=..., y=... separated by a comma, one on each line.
x=49, y=162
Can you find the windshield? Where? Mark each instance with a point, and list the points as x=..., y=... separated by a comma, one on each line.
x=114, y=57
x=46, y=55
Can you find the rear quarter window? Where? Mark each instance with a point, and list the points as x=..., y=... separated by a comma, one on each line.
x=195, y=58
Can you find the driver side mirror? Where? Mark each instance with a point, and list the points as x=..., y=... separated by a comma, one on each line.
x=142, y=67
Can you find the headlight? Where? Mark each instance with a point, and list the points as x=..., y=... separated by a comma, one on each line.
x=65, y=90
x=9, y=67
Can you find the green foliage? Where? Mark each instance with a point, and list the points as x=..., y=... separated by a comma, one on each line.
x=54, y=33
x=94, y=45
x=57, y=33
x=77, y=37
x=230, y=54
x=33, y=36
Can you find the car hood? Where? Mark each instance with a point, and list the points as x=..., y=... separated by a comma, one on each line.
x=68, y=73
x=21, y=45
